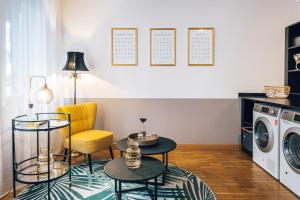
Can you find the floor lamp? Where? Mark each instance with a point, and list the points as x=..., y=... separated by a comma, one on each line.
x=75, y=63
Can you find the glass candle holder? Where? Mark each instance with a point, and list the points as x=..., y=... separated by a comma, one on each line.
x=133, y=154
x=43, y=160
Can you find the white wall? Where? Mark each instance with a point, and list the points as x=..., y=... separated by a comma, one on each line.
x=249, y=51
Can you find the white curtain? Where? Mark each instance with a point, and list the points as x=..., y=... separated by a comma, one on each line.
x=30, y=44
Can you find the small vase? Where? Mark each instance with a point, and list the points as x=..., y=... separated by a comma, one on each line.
x=133, y=154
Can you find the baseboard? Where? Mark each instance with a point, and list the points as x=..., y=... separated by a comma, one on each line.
x=228, y=147
x=225, y=147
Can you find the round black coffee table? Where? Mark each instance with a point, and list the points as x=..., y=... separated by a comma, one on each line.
x=164, y=146
x=151, y=168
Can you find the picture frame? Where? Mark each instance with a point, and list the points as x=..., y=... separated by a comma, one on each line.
x=124, y=46
x=162, y=46
x=201, y=46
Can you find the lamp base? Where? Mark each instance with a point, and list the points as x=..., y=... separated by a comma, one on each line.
x=75, y=154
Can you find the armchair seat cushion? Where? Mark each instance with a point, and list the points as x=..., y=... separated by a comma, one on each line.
x=90, y=141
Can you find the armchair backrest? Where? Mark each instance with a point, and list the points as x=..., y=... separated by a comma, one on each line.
x=82, y=117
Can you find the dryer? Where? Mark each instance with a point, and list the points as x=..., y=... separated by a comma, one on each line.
x=290, y=150
x=266, y=138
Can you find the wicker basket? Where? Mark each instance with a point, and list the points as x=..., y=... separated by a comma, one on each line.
x=277, y=91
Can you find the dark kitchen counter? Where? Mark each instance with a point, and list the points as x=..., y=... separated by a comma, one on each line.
x=293, y=101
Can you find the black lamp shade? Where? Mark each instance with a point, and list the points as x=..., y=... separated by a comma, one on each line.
x=75, y=62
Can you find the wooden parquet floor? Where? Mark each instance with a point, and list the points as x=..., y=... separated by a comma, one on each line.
x=228, y=171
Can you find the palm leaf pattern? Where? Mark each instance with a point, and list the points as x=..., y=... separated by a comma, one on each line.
x=180, y=185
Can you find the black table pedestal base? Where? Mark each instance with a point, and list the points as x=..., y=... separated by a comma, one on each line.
x=119, y=191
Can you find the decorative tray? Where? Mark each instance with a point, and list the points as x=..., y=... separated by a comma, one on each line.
x=146, y=140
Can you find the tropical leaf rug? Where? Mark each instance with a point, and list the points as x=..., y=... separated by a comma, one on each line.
x=180, y=184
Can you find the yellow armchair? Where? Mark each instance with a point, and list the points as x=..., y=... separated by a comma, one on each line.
x=84, y=138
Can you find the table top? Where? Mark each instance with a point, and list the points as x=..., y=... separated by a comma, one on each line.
x=40, y=121
x=164, y=145
x=150, y=168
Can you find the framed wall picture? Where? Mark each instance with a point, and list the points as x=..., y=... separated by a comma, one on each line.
x=201, y=43
x=162, y=47
x=124, y=46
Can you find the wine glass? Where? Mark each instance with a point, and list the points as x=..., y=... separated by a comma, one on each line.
x=142, y=132
x=143, y=119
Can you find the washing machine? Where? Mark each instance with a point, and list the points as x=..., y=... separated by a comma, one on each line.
x=290, y=150
x=266, y=138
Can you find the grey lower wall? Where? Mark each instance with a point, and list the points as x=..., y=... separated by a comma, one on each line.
x=188, y=121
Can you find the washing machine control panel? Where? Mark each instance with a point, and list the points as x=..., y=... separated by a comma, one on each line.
x=269, y=110
x=291, y=116
x=287, y=115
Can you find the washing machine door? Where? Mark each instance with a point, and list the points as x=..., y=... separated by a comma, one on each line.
x=263, y=134
x=291, y=148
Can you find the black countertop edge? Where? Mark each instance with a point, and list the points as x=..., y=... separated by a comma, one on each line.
x=292, y=102
x=244, y=94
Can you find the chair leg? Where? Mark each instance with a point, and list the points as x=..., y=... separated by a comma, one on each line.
x=111, y=153
x=90, y=162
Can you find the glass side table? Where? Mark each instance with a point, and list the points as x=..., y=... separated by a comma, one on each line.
x=27, y=171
